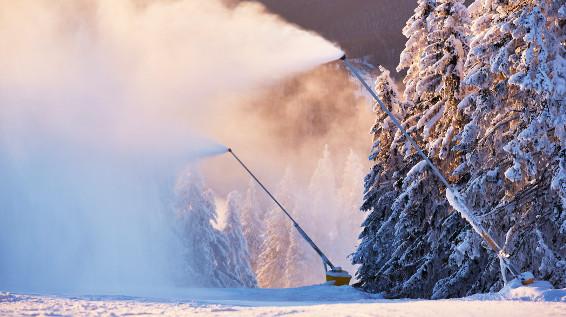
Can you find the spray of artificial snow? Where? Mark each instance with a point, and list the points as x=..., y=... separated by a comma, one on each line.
x=101, y=105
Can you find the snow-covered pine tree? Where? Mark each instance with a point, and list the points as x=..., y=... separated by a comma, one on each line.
x=322, y=201
x=540, y=75
x=558, y=28
x=206, y=249
x=272, y=260
x=434, y=117
x=351, y=189
x=253, y=224
x=438, y=87
x=239, y=255
x=350, y=219
x=380, y=190
x=434, y=58
x=416, y=31
x=303, y=266
x=499, y=136
x=335, y=219
x=407, y=236
x=333, y=227
x=515, y=77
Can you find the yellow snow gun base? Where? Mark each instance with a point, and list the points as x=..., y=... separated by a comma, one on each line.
x=338, y=277
x=527, y=282
x=527, y=278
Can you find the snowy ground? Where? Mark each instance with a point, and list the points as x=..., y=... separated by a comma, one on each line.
x=307, y=301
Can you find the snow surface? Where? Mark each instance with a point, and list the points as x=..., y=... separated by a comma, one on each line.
x=538, y=291
x=321, y=300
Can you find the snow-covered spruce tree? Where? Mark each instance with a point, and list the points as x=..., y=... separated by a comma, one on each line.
x=334, y=226
x=351, y=189
x=207, y=252
x=409, y=232
x=329, y=215
x=350, y=195
x=322, y=205
x=415, y=30
x=272, y=261
x=303, y=266
x=377, y=197
x=322, y=200
x=253, y=224
x=434, y=58
x=380, y=189
x=514, y=138
x=438, y=87
x=239, y=255
x=540, y=75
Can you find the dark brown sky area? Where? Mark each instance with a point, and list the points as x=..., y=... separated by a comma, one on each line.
x=361, y=27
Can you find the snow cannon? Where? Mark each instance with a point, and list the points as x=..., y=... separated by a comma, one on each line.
x=452, y=194
x=335, y=275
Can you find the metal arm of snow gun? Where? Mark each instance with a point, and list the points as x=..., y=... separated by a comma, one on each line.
x=335, y=274
x=451, y=192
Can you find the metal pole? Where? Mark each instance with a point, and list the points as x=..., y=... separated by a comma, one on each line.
x=482, y=232
x=305, y=236
x=395, y=121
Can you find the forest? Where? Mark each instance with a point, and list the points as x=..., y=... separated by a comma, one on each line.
x=483, y=93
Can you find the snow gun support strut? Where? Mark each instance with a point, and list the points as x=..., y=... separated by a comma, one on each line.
x=451, y=192
x=335, y=274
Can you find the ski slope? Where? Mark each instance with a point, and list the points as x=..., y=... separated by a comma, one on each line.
x=322, y=300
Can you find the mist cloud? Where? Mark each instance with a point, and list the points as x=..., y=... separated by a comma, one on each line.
x=100, y=103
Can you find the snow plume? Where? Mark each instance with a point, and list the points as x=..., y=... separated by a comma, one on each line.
x=288, y=125
x=101, y=103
